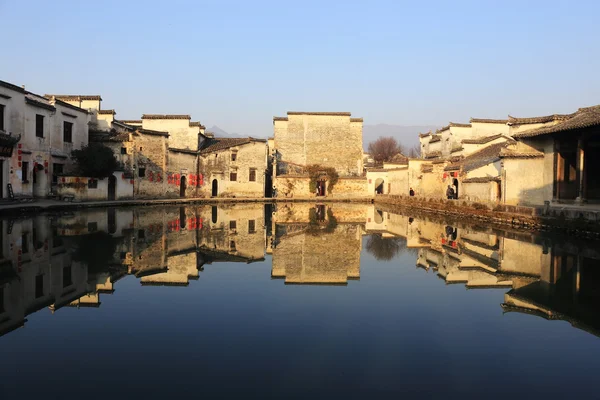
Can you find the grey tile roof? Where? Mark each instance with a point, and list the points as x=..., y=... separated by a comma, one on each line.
x=583, y=118
x=217, y=144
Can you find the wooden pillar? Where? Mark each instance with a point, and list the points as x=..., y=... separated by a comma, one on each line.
x=558, y=170
x=580, y=171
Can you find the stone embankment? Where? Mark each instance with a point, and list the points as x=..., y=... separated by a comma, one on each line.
x=43, y=205
x=571, y=222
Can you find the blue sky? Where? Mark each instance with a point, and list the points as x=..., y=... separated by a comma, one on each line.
x=238, y=63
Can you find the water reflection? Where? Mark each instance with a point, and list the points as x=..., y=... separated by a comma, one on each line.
x=71, y=260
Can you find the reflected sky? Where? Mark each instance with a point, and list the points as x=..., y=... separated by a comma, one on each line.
x=293, y=300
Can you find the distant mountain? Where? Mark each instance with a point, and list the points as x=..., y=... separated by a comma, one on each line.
x=408, y=136
x=221, y=133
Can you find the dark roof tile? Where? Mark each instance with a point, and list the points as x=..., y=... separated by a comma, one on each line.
x=217, y=144
x=583, y=118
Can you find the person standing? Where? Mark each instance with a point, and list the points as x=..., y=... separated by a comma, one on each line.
x=450, y=193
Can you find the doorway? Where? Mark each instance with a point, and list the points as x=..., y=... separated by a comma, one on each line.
x=455, y=183
x=379, y=186
x=321, y=186
x=182, y=187
x=215, y=188
x=112, y=187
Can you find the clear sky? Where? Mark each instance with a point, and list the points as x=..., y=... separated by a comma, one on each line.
x=236, y=64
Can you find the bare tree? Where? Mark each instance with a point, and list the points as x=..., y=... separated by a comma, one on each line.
x=384, y=249
x=384, y=148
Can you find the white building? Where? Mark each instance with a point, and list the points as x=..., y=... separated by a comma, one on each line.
x=37, y=135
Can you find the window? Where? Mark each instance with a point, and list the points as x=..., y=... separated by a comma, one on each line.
x=39, y=286
x=142, y=172
x=92, y=184
x=234, y=156
x=232, y=245
x=25, y=243
x=1, y=117
x=67, y=278
x=232, y=224
x=252, y=177
x=123, y=150
x=141, y=234
x=141, y=148
x=251, y=226
x=24, y=172
x=67, y=132
x=39, y=125
x=57, y=169
x=92, y=226
x=233, y=176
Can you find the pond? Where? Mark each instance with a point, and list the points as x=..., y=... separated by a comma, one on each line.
x=292, y=301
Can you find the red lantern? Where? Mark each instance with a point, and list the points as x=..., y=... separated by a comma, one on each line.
x=131, y=181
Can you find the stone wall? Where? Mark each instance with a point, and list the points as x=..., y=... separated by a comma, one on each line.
x=524, y=181
x=151, y=162
x=296, y=186
x=218, y=166
x=182, y=136
x=327, y=140
x=182, y=168
x=479, y=191
x=327, y=258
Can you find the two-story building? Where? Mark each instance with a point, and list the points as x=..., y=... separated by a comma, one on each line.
x=37, y=135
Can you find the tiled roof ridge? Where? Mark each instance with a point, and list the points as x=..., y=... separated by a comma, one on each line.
x=113, y=112
x=585, y=117
x=166, y=116
x=78, y=97
x=482, y=139
x=489, y=120
x=131, y=121
x=333, y=113
x=538, y=120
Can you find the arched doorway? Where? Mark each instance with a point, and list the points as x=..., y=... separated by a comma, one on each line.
x=379, y=186
x=455, y=183
x=182, y=187
x=112, y=187
x=215, y=188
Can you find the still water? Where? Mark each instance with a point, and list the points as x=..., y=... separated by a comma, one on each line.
x=293, y=301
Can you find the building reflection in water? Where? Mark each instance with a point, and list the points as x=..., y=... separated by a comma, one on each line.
x=72, y=260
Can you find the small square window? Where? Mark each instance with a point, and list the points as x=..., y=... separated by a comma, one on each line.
x=141, y=172
x=252, y=176
x=232, y=245
x=123, y=150
x=92, y=226
x=251, y=226
x=232, y=224
x=92, y=184
x=234, y=156
x=233, y=176
x=141, y=148
x=141, y=234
